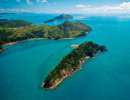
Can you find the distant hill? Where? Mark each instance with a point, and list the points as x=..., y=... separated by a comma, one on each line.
x=14, y=23
x=60, y=17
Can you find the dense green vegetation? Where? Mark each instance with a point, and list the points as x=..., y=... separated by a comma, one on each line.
x=65, y=30
x=4, y=35
x=14, y=23
x=60, y=17
x=70, y=63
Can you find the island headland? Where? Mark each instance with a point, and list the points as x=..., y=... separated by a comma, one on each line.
x=60, y=17
x=71, y=63
x=14, y=31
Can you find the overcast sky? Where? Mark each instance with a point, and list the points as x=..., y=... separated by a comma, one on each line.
x=66, y=6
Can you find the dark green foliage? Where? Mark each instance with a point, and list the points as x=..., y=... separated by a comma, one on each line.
x=103, y=48
x=14, y=23
x=48, y=21
x=60, y=17
x=63, y=17
x=71, y=29
x=57, y=37
x=65, y=30
x=4, y=33
x=1, y=45
x=72, y=61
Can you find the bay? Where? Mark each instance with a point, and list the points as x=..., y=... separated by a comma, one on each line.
x=24, y=66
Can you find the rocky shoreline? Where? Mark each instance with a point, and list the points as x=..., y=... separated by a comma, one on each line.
x=65, y=74
x=1, y=50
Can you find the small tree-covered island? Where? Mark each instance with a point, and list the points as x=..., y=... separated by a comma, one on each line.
x=13, y=31
x=60, y=17
x=71, y=63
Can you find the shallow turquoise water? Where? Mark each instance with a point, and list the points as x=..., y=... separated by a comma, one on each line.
x=25, y=65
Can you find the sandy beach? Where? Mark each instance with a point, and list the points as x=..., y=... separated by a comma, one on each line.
x=2, y=50
x=75, y=46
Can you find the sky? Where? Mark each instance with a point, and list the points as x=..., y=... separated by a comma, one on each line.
x=66, y=6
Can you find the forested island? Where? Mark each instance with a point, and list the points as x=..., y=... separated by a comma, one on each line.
x=71, y=63
x=14, y=23
x=60, y=17
x=13, y=31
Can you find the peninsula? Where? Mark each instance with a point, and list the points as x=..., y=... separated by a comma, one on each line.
x=60, y=17
x=71, y=63
x=13, y=31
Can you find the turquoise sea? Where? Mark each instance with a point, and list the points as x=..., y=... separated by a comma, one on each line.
x=24, y=66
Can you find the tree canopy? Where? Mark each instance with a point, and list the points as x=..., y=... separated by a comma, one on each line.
x=18, y=30
x=70, y=63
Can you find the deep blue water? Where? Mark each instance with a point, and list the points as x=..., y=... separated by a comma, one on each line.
x=25, y=65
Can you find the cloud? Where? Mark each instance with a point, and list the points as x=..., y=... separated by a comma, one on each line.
x=18, y=1
x=121, y=8
x=29, y=2
x=57, y=11
x=80, y=5
x=54, y=3
x=48, y=4
x=42, y=1
x=13, y=10
x=125, y=5
x=1, y=10
x=22, y=10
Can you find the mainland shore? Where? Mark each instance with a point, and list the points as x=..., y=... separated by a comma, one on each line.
x=2, y=50
x=12, y=43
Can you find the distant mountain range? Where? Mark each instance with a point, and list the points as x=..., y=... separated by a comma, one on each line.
x=60, y=17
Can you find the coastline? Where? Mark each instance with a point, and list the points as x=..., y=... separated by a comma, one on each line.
x=1, y=50
x=12, y=43
x=64, y=77
x=67, y=73
x=75, y=46
x=96, y=55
